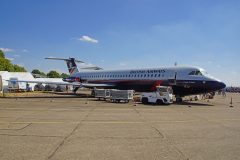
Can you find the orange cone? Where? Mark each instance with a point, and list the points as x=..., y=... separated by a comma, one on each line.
x=231, y=103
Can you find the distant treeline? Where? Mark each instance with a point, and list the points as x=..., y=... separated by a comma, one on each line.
x=51, y=74
x=6, y=65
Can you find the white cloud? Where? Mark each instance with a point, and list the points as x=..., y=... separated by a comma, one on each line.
x=122, y=64
x=25, y=50
x=6, y=49
x=10, y=59
x=21, y=64
x=16, y=55
x=87, y=39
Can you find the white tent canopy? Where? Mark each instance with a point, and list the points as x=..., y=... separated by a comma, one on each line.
x=5, y=75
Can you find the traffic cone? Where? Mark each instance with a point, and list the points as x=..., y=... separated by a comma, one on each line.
x=231, y=103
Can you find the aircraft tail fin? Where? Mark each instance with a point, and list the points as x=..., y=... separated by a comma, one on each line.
x=71, y=64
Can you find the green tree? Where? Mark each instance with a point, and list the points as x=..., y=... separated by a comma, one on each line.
x=53, y=74
x=64, y=75
x=38, y=73
x=6, y=65
x=2, y=55
x=18, y=68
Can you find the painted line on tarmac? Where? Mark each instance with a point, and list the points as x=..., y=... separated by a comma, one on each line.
x=113, y=122
x=86, y=122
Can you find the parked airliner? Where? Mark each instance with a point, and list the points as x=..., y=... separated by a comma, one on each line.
x=183, y=80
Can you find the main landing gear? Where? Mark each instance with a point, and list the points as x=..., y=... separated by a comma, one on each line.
x=75, y=90
x=179, y=99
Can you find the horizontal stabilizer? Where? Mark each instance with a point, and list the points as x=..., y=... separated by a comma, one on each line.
x=92, y=68
x=64, y=59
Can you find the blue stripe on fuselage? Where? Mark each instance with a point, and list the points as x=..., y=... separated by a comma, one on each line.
x=181, y=87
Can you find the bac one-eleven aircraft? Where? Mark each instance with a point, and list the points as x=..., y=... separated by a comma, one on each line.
x=183, y=80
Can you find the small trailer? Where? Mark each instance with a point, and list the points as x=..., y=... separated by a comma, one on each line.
x=121, y=95
x=101, y=93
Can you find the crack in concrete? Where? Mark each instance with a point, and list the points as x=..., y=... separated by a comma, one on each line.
x=69, y=135
x=27, y=135
x=162, y=136
x=149, y=124
x=180, y=153
x=159, y=133
x=18, y=128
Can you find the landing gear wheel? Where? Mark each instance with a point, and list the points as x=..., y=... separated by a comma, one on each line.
x=179, y=100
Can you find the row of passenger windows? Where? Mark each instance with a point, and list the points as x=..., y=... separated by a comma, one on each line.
x=123, y=76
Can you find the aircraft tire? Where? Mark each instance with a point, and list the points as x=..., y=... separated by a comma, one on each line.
x=179, y=100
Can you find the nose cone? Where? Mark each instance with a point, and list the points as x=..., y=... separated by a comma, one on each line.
x=222, y=85
x=215, y=85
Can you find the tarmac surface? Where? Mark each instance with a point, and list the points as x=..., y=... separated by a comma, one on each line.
x=83, y=128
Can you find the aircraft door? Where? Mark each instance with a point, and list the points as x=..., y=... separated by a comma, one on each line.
x=173, y=79
x=1, y=84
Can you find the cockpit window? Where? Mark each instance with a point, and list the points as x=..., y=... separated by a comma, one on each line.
x=192, y=73
x=197, y=72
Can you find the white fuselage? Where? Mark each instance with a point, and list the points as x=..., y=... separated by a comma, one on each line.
x=184, y=80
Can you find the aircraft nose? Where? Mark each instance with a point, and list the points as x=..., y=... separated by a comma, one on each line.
x=215, y=85
x=223, y=85
x=220, y=85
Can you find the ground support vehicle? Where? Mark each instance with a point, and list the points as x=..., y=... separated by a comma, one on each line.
x=162, y=95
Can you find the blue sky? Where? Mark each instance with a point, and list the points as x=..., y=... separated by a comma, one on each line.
x=119, y=34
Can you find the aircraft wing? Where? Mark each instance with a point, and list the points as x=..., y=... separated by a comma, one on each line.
x=45, y=82
x=87, y=85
